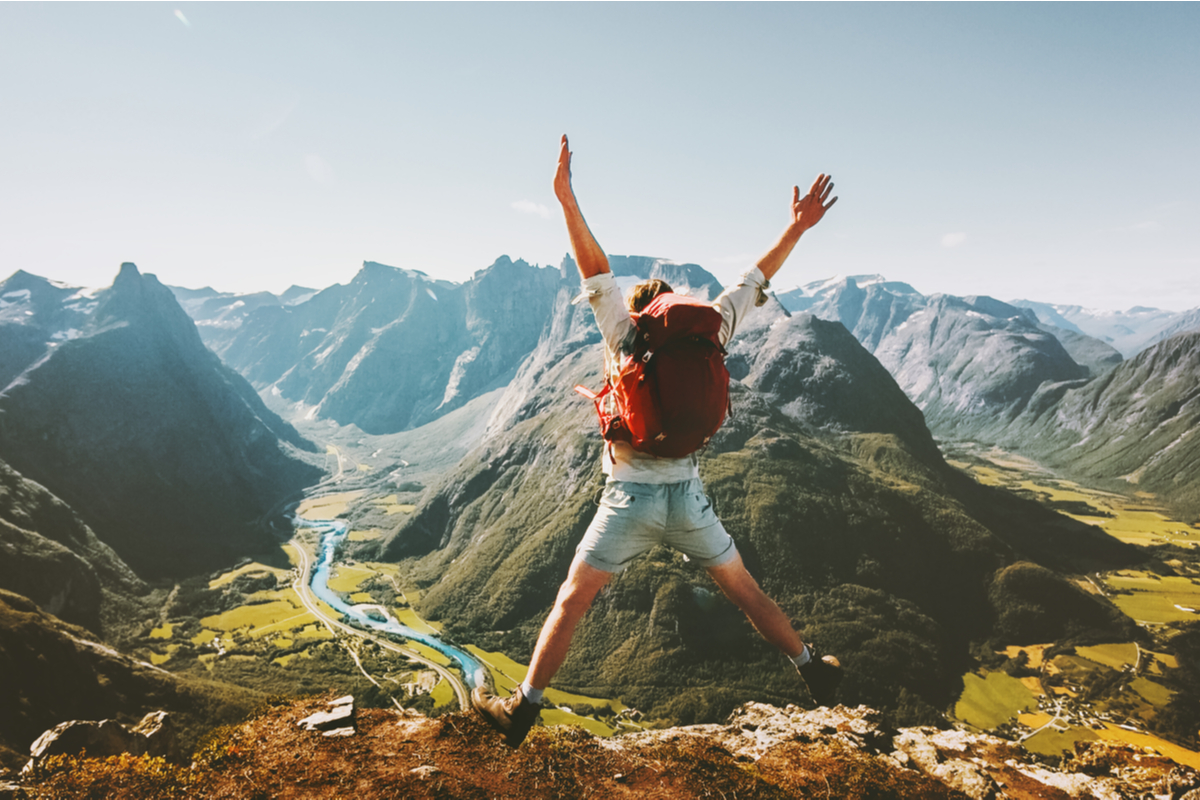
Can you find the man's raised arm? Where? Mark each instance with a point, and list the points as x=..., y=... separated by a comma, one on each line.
x=588, y=254
x=806, y=212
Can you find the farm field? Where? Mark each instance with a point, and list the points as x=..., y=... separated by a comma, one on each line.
x=327, y=506
x=989, y=701
x=1121, y=702
x=1154, y=599
x=1132, y=519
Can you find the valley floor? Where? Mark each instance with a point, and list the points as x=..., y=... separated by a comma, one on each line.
x=1106, y=691
x=273, y=635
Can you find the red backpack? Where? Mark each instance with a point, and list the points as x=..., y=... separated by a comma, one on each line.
x=672, y=393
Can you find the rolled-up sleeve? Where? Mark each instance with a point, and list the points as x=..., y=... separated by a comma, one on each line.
x=608, y=305
x=735, y=302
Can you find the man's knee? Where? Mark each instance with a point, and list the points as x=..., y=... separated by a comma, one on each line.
x=581, y=586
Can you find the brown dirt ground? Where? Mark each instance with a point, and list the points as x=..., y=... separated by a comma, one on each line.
x=270, y=757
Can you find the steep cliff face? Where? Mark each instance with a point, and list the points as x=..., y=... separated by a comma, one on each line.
x=36, y=315
x=817, y=374
x=219, y=315
x=1129, y=332
x=167, y=454
x=969, y=364
x=1138, y=423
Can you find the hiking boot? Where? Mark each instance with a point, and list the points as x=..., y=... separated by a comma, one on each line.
x=513, y=715
x=821, y=674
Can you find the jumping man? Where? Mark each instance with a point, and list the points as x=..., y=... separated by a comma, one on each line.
x=649, y=500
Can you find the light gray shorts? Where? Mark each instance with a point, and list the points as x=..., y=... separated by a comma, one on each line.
x=634, y=517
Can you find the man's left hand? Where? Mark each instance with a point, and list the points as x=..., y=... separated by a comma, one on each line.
x=807, y=211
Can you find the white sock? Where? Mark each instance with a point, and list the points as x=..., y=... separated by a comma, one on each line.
x=531, y=694
x=803, y=658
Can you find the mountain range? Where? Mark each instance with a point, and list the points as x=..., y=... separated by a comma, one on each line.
x=136, y=446
x=826, y=476
x=112, y=403
x=1039, y=379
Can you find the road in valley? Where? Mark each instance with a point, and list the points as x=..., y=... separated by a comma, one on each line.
x=336, y=626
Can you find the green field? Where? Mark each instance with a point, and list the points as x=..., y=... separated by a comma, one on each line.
x=327, y=507
x=247, y=569
x=408, y=617
x=1153, y=693
x=436, y=656
x=443, y=694
x=1051, y=742
x=1147, y=597
x=204, y=637
x=347, y=578
x=158, y=659
x=391, y=505
x=555, y=716
x=989, y=702
x=1116, y=656
x=1132, y=519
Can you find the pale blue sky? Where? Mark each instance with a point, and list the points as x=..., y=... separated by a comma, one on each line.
x=1043, y=151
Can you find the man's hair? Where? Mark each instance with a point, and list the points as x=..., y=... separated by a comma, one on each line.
x=642, y=293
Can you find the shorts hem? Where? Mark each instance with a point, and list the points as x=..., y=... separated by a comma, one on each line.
x=602, y=565
x=718, y=560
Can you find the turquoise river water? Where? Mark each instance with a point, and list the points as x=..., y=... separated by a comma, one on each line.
x=333, y=532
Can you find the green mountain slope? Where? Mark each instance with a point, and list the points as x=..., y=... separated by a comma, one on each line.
x=844, y=511
x=1137, y=423
x=54, y=671
x=168, y=455
x=52, y=557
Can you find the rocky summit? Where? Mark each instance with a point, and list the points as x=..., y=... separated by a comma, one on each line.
x=761, y=751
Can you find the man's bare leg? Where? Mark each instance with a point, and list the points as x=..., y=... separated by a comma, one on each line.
x=764, y=613
x=515, y=715
x=821, y=674
x=574, y=599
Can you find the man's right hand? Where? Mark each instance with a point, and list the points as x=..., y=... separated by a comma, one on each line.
x=588, y=253
x=562, y=175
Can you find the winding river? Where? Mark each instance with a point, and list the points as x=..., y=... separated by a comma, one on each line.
x=333, y=532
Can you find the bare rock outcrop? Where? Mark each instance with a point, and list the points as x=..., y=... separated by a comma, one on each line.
x=154, y=736
x=336, y=720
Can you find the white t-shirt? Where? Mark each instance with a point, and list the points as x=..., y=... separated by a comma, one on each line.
x=621, y=461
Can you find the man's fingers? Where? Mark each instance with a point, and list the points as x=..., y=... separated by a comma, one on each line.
x=564, y=152
x=795, y=195
x=830, y=205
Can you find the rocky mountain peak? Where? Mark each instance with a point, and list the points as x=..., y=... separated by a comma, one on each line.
x=22, y=280
x=568, y=269
x=760, y=751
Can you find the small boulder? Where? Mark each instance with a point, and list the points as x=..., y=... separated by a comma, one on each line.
x=338, y=720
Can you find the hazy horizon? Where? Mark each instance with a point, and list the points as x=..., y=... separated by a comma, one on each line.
x=1044, y=152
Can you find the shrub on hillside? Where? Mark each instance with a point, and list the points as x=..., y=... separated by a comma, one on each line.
x=1033, y=604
